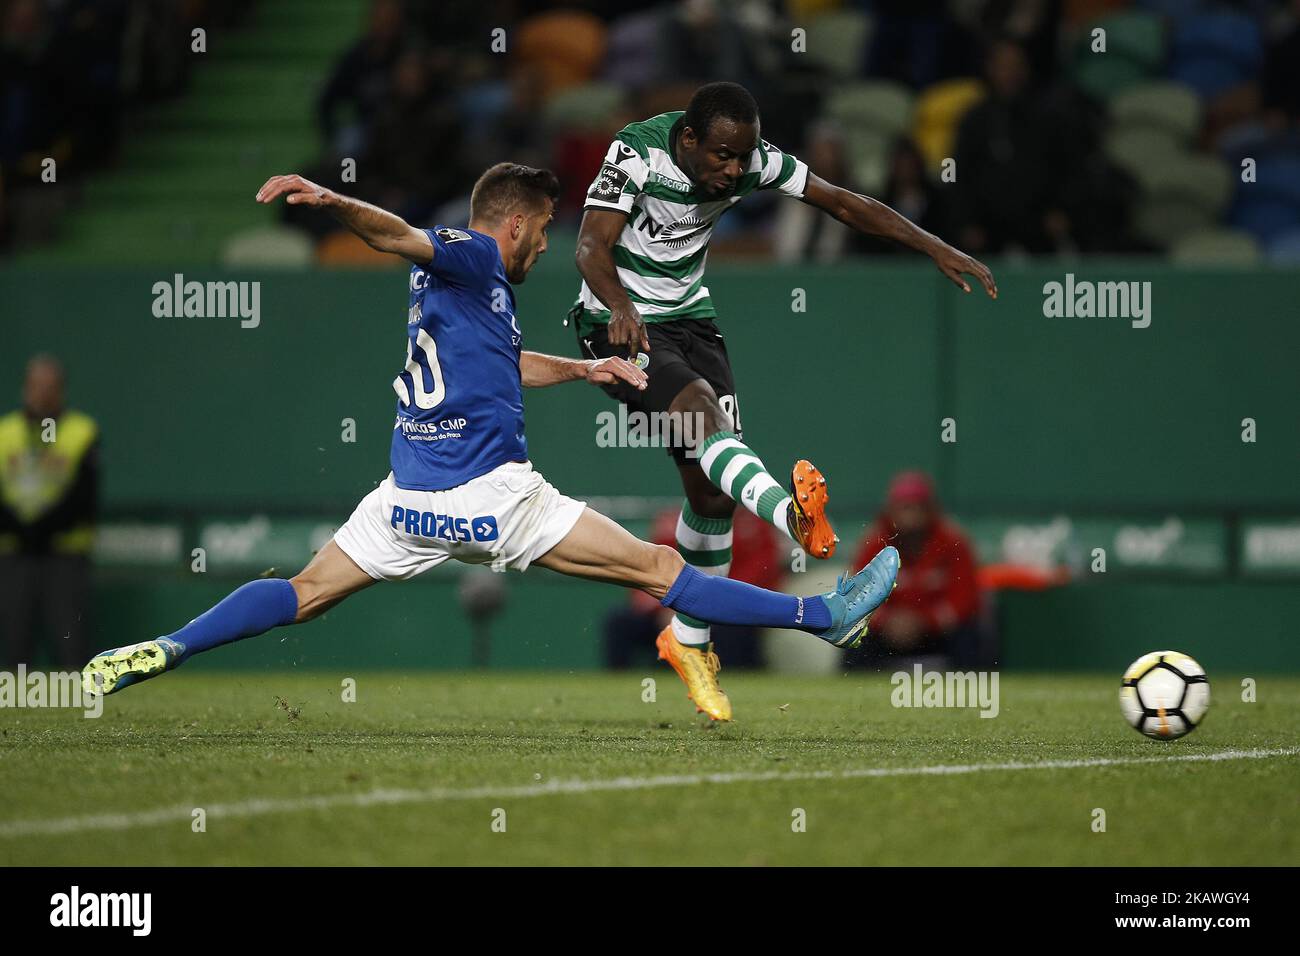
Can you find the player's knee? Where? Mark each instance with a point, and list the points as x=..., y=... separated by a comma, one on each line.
x=662, y=569
x=711, y=419
x=706, y=414
x=311, y=597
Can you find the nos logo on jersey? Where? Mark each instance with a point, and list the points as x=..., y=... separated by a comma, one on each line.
x=447, y=234
x=609, y=184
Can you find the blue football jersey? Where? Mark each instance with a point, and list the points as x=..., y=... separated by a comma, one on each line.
x=460, y=403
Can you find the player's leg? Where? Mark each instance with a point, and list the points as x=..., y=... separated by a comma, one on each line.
x=599, y=549
x=250, y=610
x=328, y=578
x=799, y=510
x=704, y=535
x=704, y=525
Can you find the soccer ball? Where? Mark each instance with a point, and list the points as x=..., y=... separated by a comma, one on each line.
x=1164, y=694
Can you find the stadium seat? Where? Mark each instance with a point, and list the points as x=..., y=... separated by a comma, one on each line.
x=1102, y=77
x=1135, y=50
x=1276, y=177
x=938, y=113
x=1175, y=8
x=800, y=10
x=1284, y=248
x=1216, y=51
x=1216, y=247
x=836, y=41
x=1140, y=151
x=1252, y=137
x=1270, y=206
x=870, y=152
x=1264, y=218
x=1163, y=220
x=1182, y=194
x=343, y=248
x=879, y=106
x=585, y=107
x=566, y=47
x=1199, y=176
x=1167, y=106
x=268, y=246
x=1076, y=12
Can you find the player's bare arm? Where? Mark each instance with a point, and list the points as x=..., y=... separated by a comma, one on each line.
x=874, y=218
x=537, y=370
x=595, y=257
x=380, y=229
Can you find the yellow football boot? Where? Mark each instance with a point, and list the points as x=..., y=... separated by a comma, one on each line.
x=698, y=670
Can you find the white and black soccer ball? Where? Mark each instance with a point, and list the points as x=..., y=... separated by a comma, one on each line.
x=1164, y=695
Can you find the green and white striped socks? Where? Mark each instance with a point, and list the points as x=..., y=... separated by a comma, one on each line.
x=734, y=468
x=705, y=543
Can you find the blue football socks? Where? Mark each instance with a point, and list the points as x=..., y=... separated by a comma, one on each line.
x=253, y=609
x=724, y=601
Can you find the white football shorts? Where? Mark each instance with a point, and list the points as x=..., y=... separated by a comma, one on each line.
x=507, y=518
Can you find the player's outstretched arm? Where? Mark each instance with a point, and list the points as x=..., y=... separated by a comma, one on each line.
x=380, y=229
x=595, y=258
x=874, y=218
x=537, y=371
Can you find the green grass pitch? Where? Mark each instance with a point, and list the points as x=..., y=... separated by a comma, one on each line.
x=587, y=772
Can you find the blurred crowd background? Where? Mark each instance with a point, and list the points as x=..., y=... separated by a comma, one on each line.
x=1059, y=148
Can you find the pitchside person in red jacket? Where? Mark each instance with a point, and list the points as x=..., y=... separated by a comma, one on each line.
x=935, y=610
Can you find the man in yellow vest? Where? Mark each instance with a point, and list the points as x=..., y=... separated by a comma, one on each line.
x=49, y=484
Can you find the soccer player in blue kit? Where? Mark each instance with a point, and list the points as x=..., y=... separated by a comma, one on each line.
x=461, y=485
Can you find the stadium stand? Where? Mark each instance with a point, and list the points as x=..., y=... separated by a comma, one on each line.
x=1146, y=139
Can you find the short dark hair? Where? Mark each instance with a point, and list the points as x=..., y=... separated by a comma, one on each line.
x=719, y=101
x=506, y=187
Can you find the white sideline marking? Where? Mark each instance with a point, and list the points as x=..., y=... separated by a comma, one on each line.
x=261, y=806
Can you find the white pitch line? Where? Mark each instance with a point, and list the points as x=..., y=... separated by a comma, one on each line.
x=262, y=806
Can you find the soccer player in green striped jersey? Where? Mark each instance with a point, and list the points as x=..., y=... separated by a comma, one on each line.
x=649, y=216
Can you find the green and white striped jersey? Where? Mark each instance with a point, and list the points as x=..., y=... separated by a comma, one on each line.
x=661, y=252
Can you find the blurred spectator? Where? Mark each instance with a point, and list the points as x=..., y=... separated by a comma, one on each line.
x=630, y=631
x=911, y=192
x=705, y=40
x=411, y=162
x=1282, y=71
x=1029, y=175
x=49, y=481
x=935, y=607
x=359, y=82
x=917, y=42
x=69, y=71
x=803, y=232
x=1004, y=158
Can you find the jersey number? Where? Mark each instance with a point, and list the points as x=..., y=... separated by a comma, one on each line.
x=422, y=357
